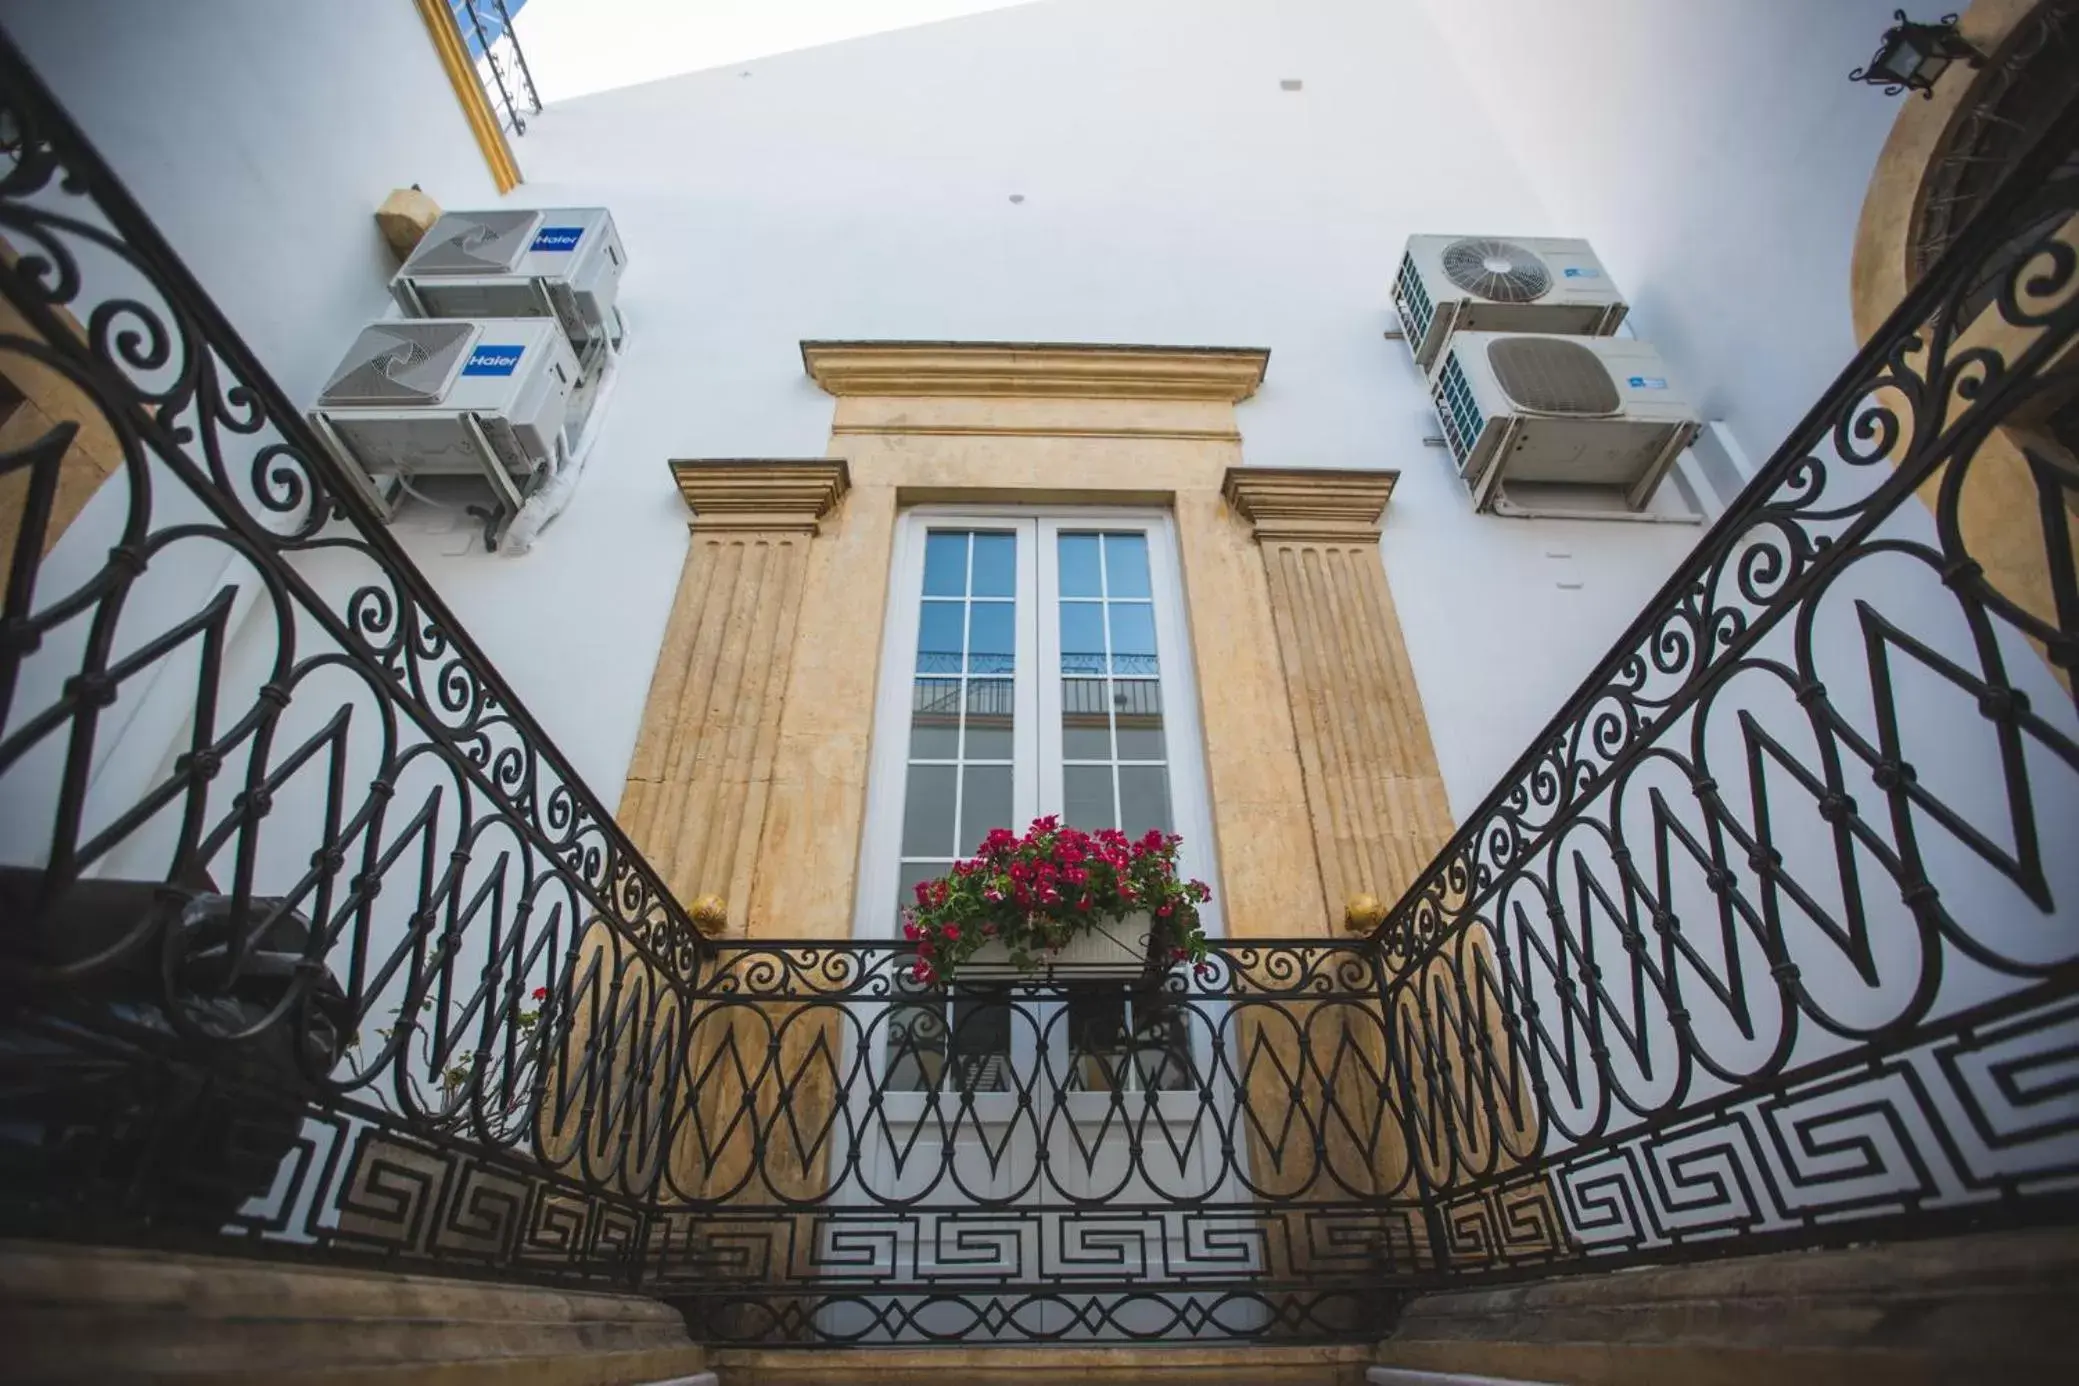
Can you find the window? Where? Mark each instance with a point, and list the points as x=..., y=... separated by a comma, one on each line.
x=1034, y=664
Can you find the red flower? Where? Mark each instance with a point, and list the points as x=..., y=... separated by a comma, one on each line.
x=911, y=931
x=1047, y=824
x=923, y=892
x=921, y=971
x=1204, y=970
x=1163, y=913
x=541, y=993
x=951, y=933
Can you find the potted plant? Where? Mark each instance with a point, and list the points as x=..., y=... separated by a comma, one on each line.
x=1059, y=902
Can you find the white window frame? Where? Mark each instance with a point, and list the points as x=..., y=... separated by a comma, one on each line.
x=1037, y=686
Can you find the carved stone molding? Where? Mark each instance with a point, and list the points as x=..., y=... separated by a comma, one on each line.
x=1302, y=505
x=1374, y=794
x=1036, y=369
x=771, y=494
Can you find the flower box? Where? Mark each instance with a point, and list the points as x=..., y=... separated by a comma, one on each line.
x=1113, y=948
x=1057, y=904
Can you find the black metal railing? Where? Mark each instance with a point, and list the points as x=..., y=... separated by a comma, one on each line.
x=1779, y=917
x=300, y=907
x=501, y=65
x=1207, y=1156
x=311, y=944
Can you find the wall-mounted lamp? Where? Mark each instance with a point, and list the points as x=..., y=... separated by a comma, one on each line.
x=1912, y=57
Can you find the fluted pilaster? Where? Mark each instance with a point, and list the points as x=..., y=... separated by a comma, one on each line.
x=1374, y=794
x=702, y=768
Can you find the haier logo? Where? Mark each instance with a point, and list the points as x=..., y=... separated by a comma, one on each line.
x=557, y=238
x=1580, y=272
x=1646, y=382
x=493, y=360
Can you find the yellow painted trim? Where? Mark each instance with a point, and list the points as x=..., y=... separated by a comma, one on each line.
x=476, y=107
x=1035, y=370
x=896, y=430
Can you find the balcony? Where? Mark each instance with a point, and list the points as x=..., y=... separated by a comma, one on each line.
x=1764, y=943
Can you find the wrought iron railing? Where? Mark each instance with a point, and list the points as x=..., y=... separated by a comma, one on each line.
x=301, y=907
x=860, y=1160
x=501, y=66
x=1776, y=925
x=313, y=945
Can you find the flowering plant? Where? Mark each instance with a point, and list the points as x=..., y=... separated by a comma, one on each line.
x=1034, y=893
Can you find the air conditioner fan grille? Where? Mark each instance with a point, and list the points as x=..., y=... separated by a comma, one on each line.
x=1550, y=375
x=1498, y=270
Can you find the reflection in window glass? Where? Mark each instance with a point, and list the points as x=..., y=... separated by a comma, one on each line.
x=1080, y=574
x=939, y=637
x=1127, y=1042
x=995, y=566
x=1114, y=745
x=990, y=715
x=945, y=564
x=935, y=719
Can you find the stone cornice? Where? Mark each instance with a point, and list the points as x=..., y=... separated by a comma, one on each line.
x=1302, y=505
x=788, y=495
x=1036, y=369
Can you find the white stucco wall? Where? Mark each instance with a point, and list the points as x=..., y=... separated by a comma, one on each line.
x=261, y=137
x=1716, y=154
x=1173, y=193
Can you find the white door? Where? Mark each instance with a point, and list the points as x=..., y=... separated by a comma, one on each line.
x=1034, y=664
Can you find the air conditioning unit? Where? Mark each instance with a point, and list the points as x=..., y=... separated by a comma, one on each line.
x=1575, y=411
x=563, y=263
x=1453, y=284
x=438, y=397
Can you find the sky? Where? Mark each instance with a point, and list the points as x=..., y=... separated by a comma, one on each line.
x=575, y=47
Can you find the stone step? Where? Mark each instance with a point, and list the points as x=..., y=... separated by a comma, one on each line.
x=1172, y=1365
x=1403, y=1376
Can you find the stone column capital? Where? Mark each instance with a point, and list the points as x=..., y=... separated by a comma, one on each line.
x=1310, y=505
x=773, y=495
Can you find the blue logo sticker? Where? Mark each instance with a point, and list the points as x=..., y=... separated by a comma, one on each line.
x=493, y=360
x=557, y=238
x=1647, y=382
x=1580, y=272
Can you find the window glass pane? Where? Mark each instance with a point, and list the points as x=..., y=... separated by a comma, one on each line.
x=927, y=815
x=1126, y=565
x=1097, y=1048
x=1137, y=709
x=985, y=805
x=1133, y=638
x=981, y=1047
x=945, y=564
x=1085, y=722
x=990, y=705
x=991, y=638
x=1079, y=570
x=1082, y=638
x=906, y=879
x=938, y=637
x=995, y=565
x=1087, y=796
x=1143, y=798
x=1161, y=1046
x=916, y=1040
x=935, y=719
